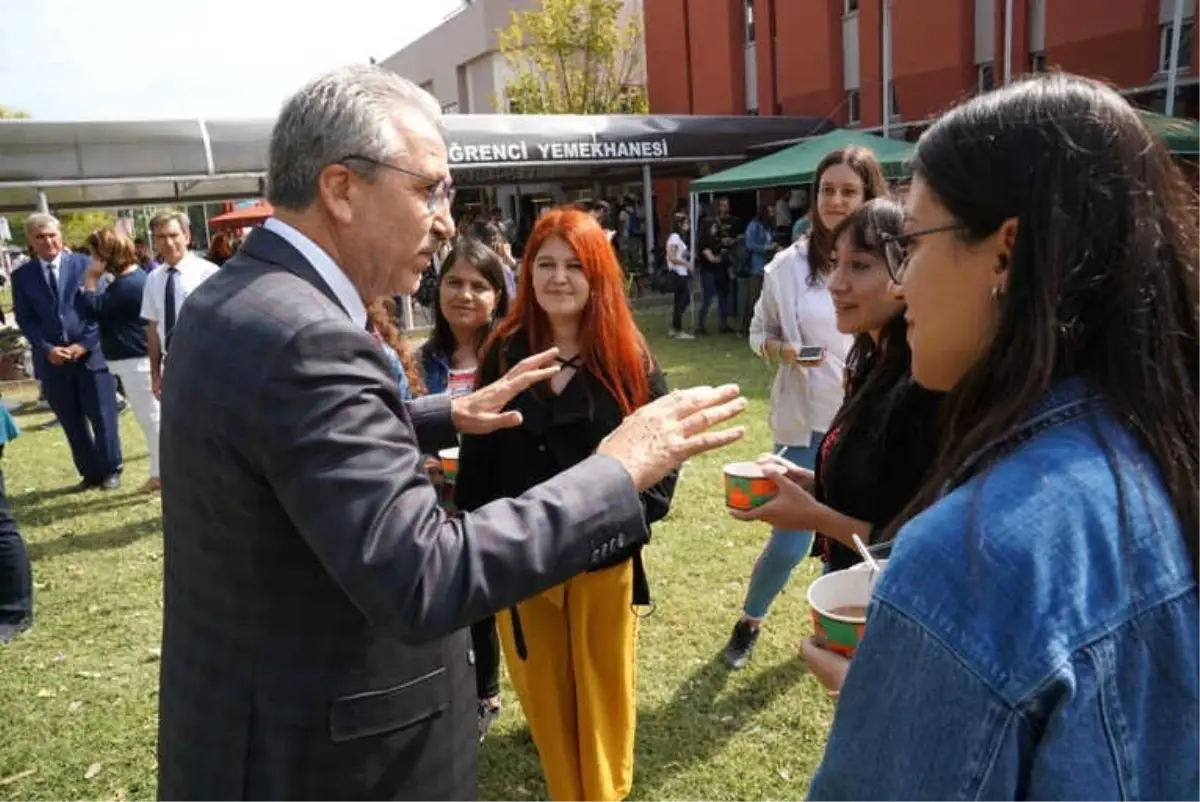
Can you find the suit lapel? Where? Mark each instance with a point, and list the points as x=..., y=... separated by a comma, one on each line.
x=267, y=246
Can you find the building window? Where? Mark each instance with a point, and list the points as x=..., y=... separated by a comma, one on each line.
x=1037, y=62
x=893, y=100
x=1184, y=57
x=853, y=111
x=985, y=77
x=749, y=5
x=850, y=7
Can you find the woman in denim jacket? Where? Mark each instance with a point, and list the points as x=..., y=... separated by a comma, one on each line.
x=1035, y=632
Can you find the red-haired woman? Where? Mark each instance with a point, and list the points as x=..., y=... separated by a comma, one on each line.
x=571, y=651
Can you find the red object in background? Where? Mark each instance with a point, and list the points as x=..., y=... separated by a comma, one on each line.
x=240, y=218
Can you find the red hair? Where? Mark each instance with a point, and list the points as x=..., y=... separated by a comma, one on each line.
x=610, y=345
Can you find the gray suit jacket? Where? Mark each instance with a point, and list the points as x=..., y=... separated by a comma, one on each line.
x=314, y=591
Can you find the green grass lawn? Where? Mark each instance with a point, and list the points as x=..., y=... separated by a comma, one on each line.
x=78, y=692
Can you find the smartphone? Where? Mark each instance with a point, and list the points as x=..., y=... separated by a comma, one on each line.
x=810, y=354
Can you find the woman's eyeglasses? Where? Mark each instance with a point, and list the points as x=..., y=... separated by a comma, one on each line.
x=896, y=248
x=441, y=190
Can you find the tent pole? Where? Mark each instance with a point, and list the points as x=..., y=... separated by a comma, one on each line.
x=1177, y=24
x=207, y=228
x=648, y=205
x=693, y=211
x=43, y=204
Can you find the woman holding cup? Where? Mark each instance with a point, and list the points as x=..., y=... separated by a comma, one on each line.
x=796, y=310
x=472, y=294
x=571, y=651
x=882, y=441
x=1041, y=595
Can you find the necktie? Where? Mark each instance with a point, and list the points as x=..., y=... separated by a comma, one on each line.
x=52, y=280
x=169, y=305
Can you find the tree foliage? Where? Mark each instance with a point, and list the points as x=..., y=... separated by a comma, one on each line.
x=9, y=113
x=76, y=226
x=574, y=57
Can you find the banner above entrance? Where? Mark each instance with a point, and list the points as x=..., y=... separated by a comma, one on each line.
x=97, y=164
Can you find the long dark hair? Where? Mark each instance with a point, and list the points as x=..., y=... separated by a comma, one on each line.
x=1101, y=279
x=487, y=262
x=873, y=369
x=820, y=241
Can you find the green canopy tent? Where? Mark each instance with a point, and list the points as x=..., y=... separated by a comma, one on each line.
x=796, y=165
x=1182, y=136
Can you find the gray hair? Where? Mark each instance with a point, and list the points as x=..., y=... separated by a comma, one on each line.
x=346, y=112
x=39, y=220
x=171, y=216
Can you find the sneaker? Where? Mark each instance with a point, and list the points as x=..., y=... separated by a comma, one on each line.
x=489, y=711
x=741, y=644
x=672, y=333
x=683, y=335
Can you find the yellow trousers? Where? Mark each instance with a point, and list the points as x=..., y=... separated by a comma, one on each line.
x=578, y=682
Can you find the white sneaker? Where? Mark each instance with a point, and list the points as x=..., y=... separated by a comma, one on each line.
x=672, y=333
x=683, y=335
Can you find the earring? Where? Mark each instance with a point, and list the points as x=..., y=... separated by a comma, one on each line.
x=996, y=293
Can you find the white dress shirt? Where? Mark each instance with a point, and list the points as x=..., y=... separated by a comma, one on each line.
x=326, y=268
x=191, y=272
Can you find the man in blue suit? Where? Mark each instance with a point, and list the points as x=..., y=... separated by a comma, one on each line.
x=66, y=353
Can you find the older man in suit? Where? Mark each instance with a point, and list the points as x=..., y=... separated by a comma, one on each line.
x=66, y=353
x=315, y=593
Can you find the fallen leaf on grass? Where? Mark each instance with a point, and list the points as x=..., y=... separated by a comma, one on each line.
x=119, y=795
x=45, y=693
x=20, y=775
x=92, y=770
x=58, y=658
x=787, y=777
x=74, y=706
x=89, y=674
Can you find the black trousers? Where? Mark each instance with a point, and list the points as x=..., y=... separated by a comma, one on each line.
x=16, y=574
x=485, y=643
x=681, y=286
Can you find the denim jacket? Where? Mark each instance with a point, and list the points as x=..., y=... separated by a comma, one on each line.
x=1023, y=642
x=436, y=367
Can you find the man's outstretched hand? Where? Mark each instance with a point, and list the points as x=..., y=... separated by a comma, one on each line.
x=481, y=412
x=668, y=431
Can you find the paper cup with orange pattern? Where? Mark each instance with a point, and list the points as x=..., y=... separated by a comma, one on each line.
x=449, y=458
x=746, y=487
x=838, y=602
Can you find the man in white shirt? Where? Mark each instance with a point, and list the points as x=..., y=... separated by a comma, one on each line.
x=169, y=285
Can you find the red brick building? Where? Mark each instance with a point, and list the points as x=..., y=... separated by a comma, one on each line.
x=826, y=57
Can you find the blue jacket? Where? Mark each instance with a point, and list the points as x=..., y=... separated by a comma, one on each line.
x=47, y=321
x=436, y=369
x=1024, y=642
x=758, y=242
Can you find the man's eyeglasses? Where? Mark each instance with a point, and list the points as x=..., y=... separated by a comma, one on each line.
x=896, y=248
x=441, y=190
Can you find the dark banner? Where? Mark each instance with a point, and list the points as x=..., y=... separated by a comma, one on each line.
x=507, y=141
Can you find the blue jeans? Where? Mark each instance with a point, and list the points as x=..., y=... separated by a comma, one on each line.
x=714, y=284
x=784, y=550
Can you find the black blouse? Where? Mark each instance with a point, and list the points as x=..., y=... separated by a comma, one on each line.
x=556, y=433
x=872, y=467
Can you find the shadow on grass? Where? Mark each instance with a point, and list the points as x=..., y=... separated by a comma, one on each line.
x=691, y=728
x=87, y=504
x=699, y=720
x=113, y=538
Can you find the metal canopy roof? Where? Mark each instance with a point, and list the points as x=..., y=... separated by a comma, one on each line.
x=82, y=164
